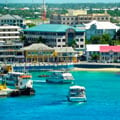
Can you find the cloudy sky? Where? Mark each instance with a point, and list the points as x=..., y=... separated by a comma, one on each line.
x=59, y=1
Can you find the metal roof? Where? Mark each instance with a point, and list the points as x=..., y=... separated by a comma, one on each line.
x=11, y=17
x=37, y=46
x=102, y=25
x=52, y=28
x=94, y=47
x=109, y=48
x=64, y=49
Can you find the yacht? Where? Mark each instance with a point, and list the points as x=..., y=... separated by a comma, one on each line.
x=76, y=94
x=60, y=77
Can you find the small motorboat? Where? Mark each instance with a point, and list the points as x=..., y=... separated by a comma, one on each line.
x=60, y=77
x=77, y=94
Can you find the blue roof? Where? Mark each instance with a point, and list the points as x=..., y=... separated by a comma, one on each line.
x=52, y=28
x=80, y=25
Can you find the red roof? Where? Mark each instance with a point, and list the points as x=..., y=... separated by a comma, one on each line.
x=109, y=48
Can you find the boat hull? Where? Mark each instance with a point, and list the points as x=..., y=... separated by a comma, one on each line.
x=59, y=81
x=5, y=92
x=26, y=92
x=77, y=99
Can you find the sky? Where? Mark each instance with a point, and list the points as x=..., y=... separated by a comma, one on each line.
x=59, y=1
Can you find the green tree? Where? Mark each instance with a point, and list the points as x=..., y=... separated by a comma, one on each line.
x=95, y=57
x=22, y=38
x=95, y=39
x=72, y=44
x=30, y=25
x=101, y=39
x=40, y=40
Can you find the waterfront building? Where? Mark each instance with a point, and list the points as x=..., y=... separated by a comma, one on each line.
x=10, y=52
x=110, y=54
x=12, y=20
x=93, y=50
x=9, y=33
x=56, y=35
x=38, y=53
x=103, y=53
x=99, y=28
x=74, y=17
x=66, y=54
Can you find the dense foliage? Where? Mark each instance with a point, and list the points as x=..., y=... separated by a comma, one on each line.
x=104, y=39
x=34, y=11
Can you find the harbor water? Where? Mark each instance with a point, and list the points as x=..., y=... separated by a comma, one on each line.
x=50, y=101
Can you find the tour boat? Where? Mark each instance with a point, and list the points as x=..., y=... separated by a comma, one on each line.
x=18, y=79
x=60, y=77
x=76, y=94
x=21, y=81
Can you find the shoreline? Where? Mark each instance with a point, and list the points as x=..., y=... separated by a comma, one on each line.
x=97, y=69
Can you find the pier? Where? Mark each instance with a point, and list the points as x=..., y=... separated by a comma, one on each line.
x=42, y=66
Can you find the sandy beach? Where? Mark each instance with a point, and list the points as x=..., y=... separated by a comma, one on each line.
x=98, y=69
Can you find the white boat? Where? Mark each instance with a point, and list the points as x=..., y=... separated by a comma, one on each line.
x=60, y=77
x=77, y=94
x=18, y=80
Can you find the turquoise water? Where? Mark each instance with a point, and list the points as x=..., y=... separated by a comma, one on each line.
x=50, y=103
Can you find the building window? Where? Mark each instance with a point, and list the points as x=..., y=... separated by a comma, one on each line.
x=59, y=40
x=76, y=18
x=77, y=40
x=63, y=40
x=82, y=40
x=81, y=46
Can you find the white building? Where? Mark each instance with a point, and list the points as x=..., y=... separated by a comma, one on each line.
x=99, y=28
x=9, y=33
x=10, y=52
x=13, y=20
x=93, y=49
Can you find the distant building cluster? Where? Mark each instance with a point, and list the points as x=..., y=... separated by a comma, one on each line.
x=75, y=17
x=63, y=40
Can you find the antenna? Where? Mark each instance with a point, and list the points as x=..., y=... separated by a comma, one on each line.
x=44, y=12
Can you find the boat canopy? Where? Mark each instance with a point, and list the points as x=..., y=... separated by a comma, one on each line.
x=77, y=87
x=16, y=73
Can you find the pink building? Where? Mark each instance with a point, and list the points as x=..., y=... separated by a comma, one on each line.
x=110, y=53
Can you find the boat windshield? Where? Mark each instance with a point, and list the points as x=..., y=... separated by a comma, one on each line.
x=77, y=92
